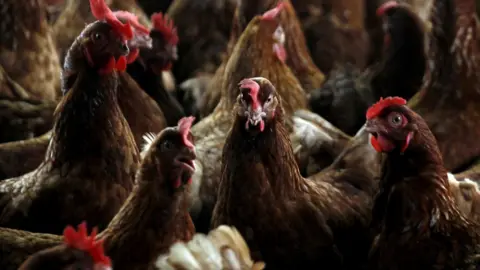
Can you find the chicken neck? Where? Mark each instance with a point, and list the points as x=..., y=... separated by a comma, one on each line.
x=90, y=130
x=413, y=183
x=267, y=166
x=152, y=84
x=147, y=223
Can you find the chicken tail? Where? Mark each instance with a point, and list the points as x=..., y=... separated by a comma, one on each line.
x=223, y=248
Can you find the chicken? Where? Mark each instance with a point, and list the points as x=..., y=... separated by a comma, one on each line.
x=296, y=53
x=153, y=217
x=153, y=55
x=20, y=157
x=30, y=69
x=317, y=142
x=288, y=221
x=155, y=61
x=254, y=55
x=448, y=101
x=416, y=220
x=131, y=97
x=79, y=251
x=76, y=14
x=348, y=92
x=334, y=31
x=203, y=29
x=92, y=157
x=222, y=248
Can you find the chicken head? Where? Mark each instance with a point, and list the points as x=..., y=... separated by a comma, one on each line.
x=257, y=102
x=176, y=152
x=388, y=125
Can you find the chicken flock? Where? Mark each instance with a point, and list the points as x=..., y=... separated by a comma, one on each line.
x=239, y=134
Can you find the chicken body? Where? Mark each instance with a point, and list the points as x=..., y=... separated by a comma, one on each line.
x=288, y=221
x=448, y=101
x=91, y=160
x=252, y=56
x=153, y=217
x=415, y=217
x=30, y=69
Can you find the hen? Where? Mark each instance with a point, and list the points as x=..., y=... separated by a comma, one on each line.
x=203, y=29
x=222, y=248
x=79, y=251
x=417, y=222
x=153, y=62
x=153, y=217
x=295, y=51
x=348, y=92
x=76, y=14
x=153, y=54
x=253, y=55
x=30, y=70
x=449, y=99
x=20, y=157
x=334, y=31
x=91, y=159
x=288, y=221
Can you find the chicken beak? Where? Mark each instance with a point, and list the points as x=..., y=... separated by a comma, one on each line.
x=255, y=118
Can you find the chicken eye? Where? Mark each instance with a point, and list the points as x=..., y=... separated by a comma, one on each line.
x=98, y=36
x=167, y=145
x=269, y=99
x=396, y=119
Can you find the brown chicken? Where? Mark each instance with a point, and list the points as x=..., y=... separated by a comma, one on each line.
x=154, y=55
x=415, y=217
x=152, y=219
x=222, y=248
x=78, y=251
x=155, y=61
x=30, y=69
x=288, y=221
x=449, y=99
x=335, y=31
x=296, y=53
x=203, y=29
x=254, y=55
x=21, y=157
x=76, y=14
x=92, y=157
x=142, y=113
x=348, y=92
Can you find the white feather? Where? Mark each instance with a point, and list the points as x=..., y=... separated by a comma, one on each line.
x=232, y=259
x=148, y=138
x=205, y=252
x=162, y=263
x=181, y=256
x=308, y=134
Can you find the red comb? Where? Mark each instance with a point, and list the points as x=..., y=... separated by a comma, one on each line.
x=81, y=241
x=377, y=108
x=101, y=11
x=165, y=25
x=184, y=126
x=273, y=13
x=133, y=20
x=254, y=88
x=386, y=6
